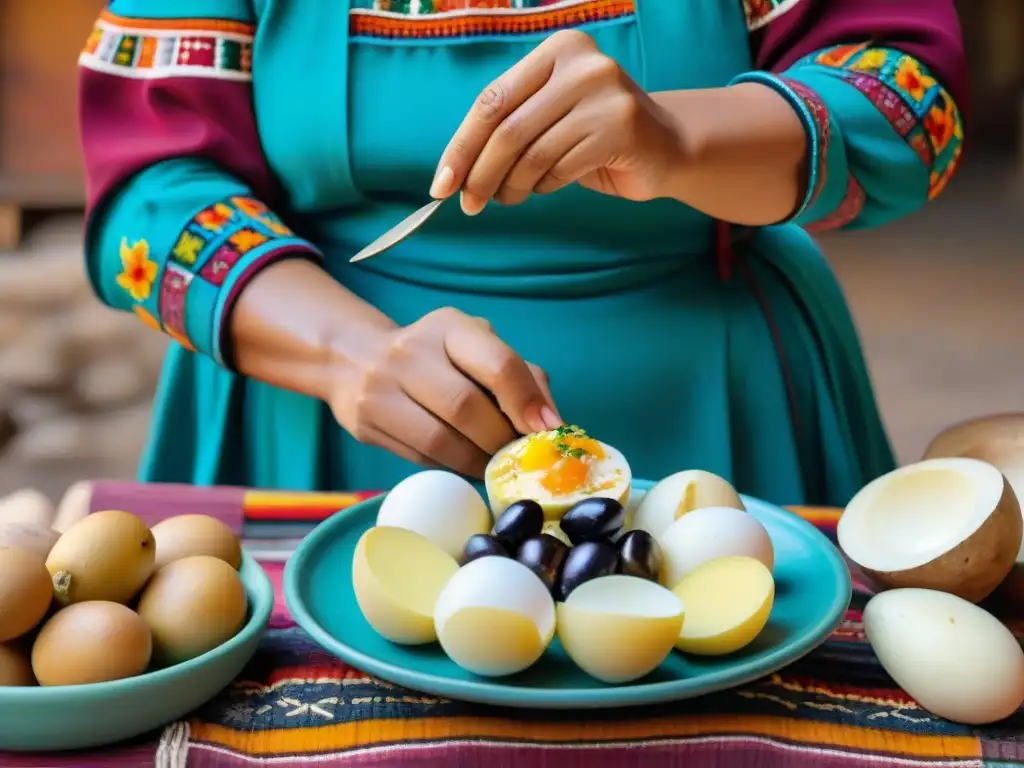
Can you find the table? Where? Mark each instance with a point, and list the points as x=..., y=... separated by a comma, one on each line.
x=295, y=705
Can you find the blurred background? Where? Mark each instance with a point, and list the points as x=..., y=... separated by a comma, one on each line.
x=938, y=297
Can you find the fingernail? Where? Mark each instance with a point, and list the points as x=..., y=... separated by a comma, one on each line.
x=471, y=204
x=551, y=419
x=534, y=419
x=441, y=187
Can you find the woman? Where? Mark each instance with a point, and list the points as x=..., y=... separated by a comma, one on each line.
x=626, y=253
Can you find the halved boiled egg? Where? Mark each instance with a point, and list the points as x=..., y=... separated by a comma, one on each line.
x=619, y=628
x=680, y=494
x=439, y=505
x=710, y=533
x=398, y=575
x=495, y=617
x=556, y=469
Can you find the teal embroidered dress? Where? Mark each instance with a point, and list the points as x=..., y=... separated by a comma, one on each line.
x=222, y=135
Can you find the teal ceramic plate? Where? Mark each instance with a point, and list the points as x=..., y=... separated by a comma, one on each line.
x=76, y=717
x=812, y=594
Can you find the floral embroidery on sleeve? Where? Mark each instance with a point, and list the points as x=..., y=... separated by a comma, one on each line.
x=916, y=105
x=139, y=271
x=215, y=252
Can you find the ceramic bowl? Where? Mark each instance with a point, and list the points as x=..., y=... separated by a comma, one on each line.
x=80, y=716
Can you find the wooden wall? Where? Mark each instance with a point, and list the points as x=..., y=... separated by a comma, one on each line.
x=39, y=45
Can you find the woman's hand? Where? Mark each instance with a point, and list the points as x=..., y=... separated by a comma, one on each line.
x=444, y=391
x=564, y=113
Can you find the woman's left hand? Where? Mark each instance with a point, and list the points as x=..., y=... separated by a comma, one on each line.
x=565, y=113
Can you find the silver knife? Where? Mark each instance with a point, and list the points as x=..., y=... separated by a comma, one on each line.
x=400, y=231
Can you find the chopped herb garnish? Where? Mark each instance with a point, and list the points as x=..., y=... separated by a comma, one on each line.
x=563, y=446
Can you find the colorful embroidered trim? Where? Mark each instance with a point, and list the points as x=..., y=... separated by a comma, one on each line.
x=822, y=134
x=816, y=121
x=846, y=212
x=915, y=103
x=138, y=271
x=422, y=7
x=762, y=12
x=229, y=239
x=146, y=49
x=466, y=18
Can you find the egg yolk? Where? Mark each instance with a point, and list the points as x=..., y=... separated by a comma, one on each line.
x=563, y=460
x=567, y=476
x=588, y=445
x=539, y=455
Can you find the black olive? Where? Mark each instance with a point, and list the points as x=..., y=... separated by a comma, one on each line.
x=586, y=561
x=544, y=555
x=593, y=519
x=640, y=555
x=520, y=521
x=481, y=545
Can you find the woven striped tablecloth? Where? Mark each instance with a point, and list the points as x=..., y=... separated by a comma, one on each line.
x=295, y=705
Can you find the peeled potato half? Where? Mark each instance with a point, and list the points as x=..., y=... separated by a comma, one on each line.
x=997, y=439
x=728, y=602
x=950, y=524
x=397, y=575
x=619, y=628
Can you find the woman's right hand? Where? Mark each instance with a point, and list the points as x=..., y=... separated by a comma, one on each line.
x=443, y=391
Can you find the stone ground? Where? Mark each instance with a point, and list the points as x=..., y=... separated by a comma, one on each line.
x=937, y=298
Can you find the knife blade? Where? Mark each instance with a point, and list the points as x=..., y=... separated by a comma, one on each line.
x=399, y=232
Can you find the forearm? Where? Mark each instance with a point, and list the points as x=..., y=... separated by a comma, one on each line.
x=297, y=328
x=744, y=151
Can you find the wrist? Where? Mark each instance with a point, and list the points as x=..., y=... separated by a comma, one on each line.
x=681, y=163
x=350, y=347
x=742, y=150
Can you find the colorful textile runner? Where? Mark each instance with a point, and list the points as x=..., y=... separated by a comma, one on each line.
x=296, y=705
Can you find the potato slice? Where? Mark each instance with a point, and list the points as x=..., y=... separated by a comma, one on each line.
x=619, y=628
x=727, y=604
x=397, y=575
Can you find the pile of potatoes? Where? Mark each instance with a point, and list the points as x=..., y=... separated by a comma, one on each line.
x=110, y=598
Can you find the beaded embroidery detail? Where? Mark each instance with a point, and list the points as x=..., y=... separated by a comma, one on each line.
x=419, y=19
x=147, y=49
x=915, y=103
x=762, y=12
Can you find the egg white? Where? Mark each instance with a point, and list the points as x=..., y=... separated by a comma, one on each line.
x=679, y=494
x=483, y=598
x=438, y=505
x=619, y=628
x=710, y=533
